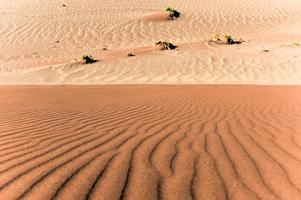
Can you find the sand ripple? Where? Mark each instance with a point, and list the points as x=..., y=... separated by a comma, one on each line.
x=150, y=142
x=40, y=40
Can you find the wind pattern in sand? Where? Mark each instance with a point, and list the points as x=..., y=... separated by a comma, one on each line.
x=40, y=41
x=150, y=142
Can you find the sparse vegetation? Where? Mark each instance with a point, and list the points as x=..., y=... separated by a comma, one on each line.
x=173, y=14
x=87, y=59
x=131, y=55
x=227, y=38
x=230, y=40
x=214, y=38
x=166, y=45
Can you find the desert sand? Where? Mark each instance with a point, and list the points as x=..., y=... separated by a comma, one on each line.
x=40, y=41
x=150, y=142
x=206, y=121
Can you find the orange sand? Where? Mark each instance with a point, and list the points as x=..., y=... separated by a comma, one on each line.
x=150, y=142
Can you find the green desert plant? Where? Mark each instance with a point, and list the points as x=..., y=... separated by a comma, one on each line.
x=227, y=38
x=87, y=59
x=131, y=55
x=173, y=14
x=230, y=40
x=166, y=45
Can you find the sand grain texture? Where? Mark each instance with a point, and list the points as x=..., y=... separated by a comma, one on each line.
x=150, y=142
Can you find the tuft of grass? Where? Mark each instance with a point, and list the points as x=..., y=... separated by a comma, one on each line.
x=87, y=59
x=229, y=40
x=166, y=45
x=297, y=44
x=173, y=13
x=131, y=55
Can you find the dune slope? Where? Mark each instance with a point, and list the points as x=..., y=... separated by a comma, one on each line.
x=150, y=142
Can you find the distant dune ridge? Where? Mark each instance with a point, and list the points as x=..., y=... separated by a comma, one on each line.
x=150, y=142
x=40, y=41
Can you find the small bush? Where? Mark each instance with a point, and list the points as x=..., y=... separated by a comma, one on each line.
x=173, y=14
x=166, y=45
x=227, y=38
x=87, y=59
x=230, y=40
x=130, y=55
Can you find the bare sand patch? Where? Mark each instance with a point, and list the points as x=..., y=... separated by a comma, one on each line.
x=150, y=142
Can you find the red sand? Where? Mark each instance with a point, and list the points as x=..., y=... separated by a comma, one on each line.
x=150, y=142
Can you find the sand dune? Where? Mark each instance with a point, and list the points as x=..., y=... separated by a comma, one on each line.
x=40, y=39
x=150, y=142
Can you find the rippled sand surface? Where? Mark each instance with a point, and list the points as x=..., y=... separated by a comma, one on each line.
x=40, y=41
x=150, y=142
